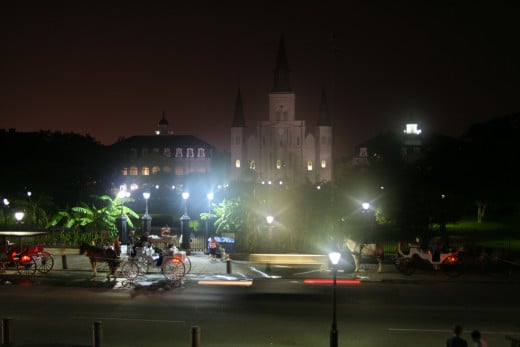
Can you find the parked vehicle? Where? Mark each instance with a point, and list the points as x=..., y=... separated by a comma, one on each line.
x=449, y=261
x=25, y=256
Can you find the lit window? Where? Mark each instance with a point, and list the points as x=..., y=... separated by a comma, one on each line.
x=178, y=152
x=323, y=164
x=145, y=171
x=237, y=163
x=167, y=169
x=166, y=152
x=133, y=171
x=155, y=170
x=309, y=165
x=200, y=153
x=124, y=171
x=252, y=165
x=190, y=153
x=278, y=164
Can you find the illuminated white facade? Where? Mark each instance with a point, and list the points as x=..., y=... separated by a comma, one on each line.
x=282, y=148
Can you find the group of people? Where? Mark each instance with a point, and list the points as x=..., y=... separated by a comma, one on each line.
x=457, y=341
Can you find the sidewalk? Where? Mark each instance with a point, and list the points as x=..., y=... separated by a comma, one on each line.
x=76, y=271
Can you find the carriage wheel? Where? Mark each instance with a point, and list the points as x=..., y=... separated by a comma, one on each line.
x=173, y=269
x=130, y=270
x=26, y=265
x=452, y=266
x=407, y=266
x=187, y=264
x=46, y=262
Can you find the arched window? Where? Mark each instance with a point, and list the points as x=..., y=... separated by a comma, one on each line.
x=201, y=153
x=309, y=165
x=190, y=153
x=323, y=163
x=237, y=163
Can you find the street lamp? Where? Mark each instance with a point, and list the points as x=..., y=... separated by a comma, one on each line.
x=6, y=203
x=269, y=220
x=19, y=216
x=147, y=219
x=210, y=197
x=334, y=259
x=185, y=224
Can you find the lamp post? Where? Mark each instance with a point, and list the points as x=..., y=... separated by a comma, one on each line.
x=334, y=259
x=269, y=220
x=6, y=203
x=122, y=195
x=147, y=219
x=185, y=224
x=210, y=197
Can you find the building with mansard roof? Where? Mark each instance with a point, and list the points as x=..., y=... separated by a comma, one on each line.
x=163, y=158
x=281, y=147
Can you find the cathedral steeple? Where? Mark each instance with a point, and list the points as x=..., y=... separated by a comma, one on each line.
x=324, y=116
x=238, y=117
x=282, y=73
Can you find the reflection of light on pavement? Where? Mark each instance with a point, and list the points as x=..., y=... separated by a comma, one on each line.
x=329, y=281
x=243, y=283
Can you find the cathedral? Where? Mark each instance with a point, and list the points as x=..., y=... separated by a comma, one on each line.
x=281, y=148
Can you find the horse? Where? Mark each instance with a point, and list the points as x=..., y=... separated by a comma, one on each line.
x=361, y=250
x=100, y=255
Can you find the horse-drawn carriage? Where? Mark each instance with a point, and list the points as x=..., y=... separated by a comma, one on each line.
x=450, y=261
x=25, y=256
x=160, y=254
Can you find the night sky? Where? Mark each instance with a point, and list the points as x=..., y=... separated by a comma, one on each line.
x=110, y=68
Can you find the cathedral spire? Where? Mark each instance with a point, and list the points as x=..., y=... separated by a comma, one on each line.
x=324, y=116
x=238, y=117
x=282, y=73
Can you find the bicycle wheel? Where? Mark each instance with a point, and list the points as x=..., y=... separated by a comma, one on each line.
x=173, y=269
x=26, y=265
x=130, y=270
x=46, y=262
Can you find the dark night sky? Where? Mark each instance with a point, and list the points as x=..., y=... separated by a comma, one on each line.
x=109, y=68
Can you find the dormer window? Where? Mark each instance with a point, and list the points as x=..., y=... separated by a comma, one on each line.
x=178, y=152
x=166, y=152
x=190, y=154
x=201, y=153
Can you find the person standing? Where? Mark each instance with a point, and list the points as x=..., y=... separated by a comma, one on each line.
x=456, y=340
x=130, y=243
x=212, y=246
x=477, y=338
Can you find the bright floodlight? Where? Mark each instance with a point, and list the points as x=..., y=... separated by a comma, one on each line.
x=146, y=195
x=334, y=257
x=185, y=195
x=210, y=196
x=269, y=219
x=6, y=202
x=365, y=205
x=18, y=216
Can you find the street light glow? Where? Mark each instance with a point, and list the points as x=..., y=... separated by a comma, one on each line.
x=269, y=219
x=365, y=205
x=146, y=195
x=334, y=257
x=18, y=216
x=185, y=195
